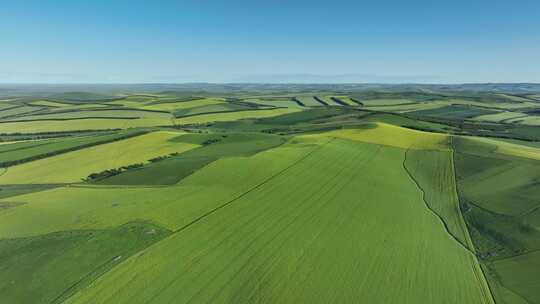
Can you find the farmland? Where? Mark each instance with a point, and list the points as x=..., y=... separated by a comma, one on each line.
x=257, y=194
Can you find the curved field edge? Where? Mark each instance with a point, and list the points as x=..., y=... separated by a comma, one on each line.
x=74, y=166
x=50, y=268
x=499, y=198
x=102, y=207
x=261, y=247
x=434, y=174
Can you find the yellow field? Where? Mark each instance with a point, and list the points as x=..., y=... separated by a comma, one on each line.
x=510, y=148
x=390, y=135
x=74, y=166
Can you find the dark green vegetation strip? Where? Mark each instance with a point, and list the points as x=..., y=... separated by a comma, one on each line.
x=300, y=103
x=339, y=101
x=324, y=103
x=301, y=117
x=432, y=173
x=14, y=190
x=18, y=153
x=84, y=97
x=464, y=127
x=172, y=169
x=423, y=96
x=56, y=265
x=74, y=118
x=453, y=112
x=499, y=199
x=218, y=108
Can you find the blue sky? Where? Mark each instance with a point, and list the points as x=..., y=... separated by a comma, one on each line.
x=270, y=41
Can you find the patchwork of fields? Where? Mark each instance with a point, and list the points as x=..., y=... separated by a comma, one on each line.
x=296, y=197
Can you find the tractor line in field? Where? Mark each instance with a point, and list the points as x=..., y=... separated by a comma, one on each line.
x=251, y=189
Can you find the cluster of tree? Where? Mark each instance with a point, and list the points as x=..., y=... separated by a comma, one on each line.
x=111, y=172
x=160, y=158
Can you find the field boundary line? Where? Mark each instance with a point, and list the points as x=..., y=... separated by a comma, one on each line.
x=72, y=149
x=417, y=184
x=487, y=295
x=514, y=256
x=477, y=267
x=208, y=213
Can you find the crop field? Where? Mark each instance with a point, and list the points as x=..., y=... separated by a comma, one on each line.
x=527, y=120
x=48, y=103
x=171, y=106
x=500, y=116
x=387, y=102
x=206, y=118
x=76, y=165
x=309, y=101
x=18, y=110
x=303, y=195
x=454, y=112
x=24, y=151
x=80, y=124
x=281, y=102
x=85, y=114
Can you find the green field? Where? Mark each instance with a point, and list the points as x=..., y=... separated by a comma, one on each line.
x=316, y=194
x=24, y=151
x=206, y=118
x=74, y=166
x=454, y=112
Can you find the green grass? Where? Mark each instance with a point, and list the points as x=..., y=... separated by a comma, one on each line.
x=528, y=120
x=15, y=153
x=80, y=124
x=15, y=190
x=223, y=107
x=520, y=275
x=434, y=173
x=497, y=181
x=453, y=112
x=499, y=196
x=499, y=116
x=301, y=117
x=73, y=166
x=389, y=135
x=81, y=97
x=92, y=207
x=387, y=102
x=309, y=101
x=288, y=240
x=48, y=103
x=95, y=114
x=207, y=118
x=172, y=106
x=172, y=170
x=282, y=102
x=14, y=111
x=377, y=204
x=50, y=268
x=410, y=123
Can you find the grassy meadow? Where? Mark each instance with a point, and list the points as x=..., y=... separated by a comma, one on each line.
x=270, y=196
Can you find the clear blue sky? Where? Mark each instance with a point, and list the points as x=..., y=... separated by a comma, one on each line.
x=270, y=40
